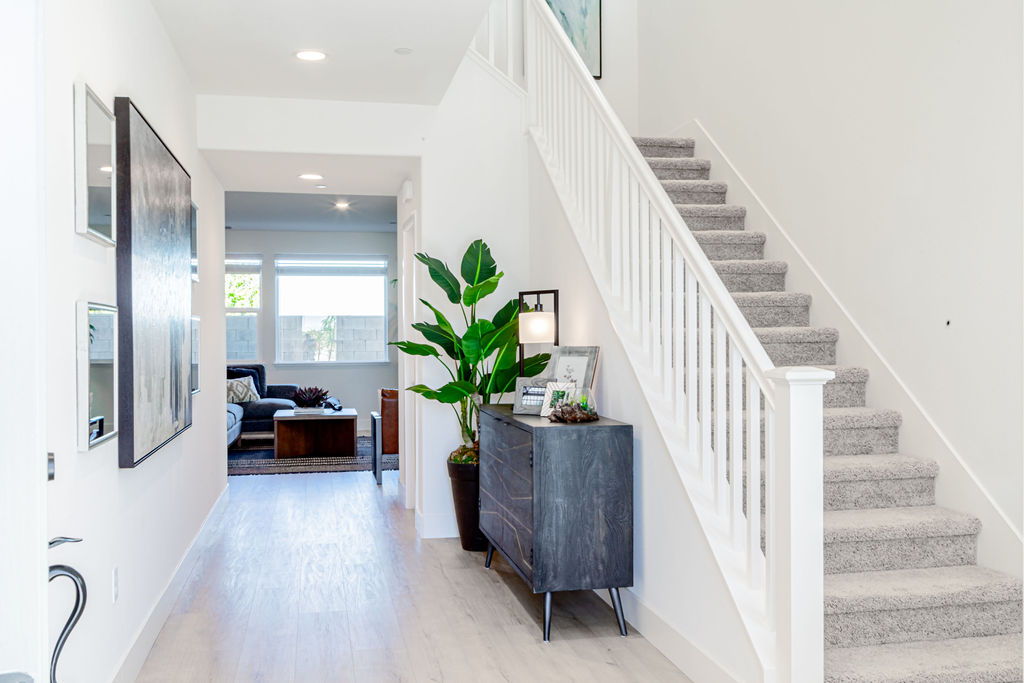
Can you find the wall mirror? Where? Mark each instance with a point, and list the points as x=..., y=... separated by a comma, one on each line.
x=94, y=167
x=97, y=374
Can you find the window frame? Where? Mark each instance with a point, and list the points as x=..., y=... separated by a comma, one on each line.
x=238, y=309
x=312, y=258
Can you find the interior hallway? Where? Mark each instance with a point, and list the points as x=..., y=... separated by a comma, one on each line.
x=320, y=577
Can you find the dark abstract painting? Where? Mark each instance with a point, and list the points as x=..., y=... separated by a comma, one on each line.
x=153, y=288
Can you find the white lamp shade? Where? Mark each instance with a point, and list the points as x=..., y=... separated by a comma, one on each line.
x=537, y=328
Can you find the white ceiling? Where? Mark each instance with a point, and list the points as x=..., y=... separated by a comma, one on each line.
x=247, y=47
x=279, y=172
x=307, y=212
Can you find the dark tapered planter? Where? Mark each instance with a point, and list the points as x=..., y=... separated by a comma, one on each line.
x=465, y=480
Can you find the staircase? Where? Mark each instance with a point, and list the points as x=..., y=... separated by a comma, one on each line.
x=904, y=599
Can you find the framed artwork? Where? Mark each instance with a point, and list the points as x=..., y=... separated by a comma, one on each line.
x=555, y=393
x=575, y=364
x=530, y=395
x=94, y=167
x=193, y=382
x=96, y=331
x=581, y=21
x=154, y=289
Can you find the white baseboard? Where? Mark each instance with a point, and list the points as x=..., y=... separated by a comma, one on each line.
x=436, y=525
x=689, y=658
x=133, y=660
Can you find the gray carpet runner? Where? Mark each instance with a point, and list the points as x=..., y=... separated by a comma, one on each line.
x=905, y=601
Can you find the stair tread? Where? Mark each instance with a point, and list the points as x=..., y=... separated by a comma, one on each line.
x=729, y=237
x=695, y=184
x=664, y=142
x=990, y=659
x=771, y=299
x=678, y=162
x=882, y=467
x=861, y=418
x=781, y=335
x=925, y=521
x=716, y=210
x=917, y=588
x=750, y=266
x=846, y=373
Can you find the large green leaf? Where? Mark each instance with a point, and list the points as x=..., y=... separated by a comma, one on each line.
x=534, y=365
x=453, y=392
x=508, y=312
x=444, y=278
x=414, y=349
x=503, y=380
x=474, y=293
x=437, y=335
x=475, y=339
x=477, y=264
x=442, y=321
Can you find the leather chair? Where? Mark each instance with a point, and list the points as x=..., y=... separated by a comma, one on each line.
x=389, y=421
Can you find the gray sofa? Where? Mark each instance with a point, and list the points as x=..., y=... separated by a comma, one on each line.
x=257, y=416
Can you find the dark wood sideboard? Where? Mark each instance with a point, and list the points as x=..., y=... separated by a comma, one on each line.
x=556, y=501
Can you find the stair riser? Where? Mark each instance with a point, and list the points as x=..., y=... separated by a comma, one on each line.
x=870, y=440
x=777, y=316
x=854, y=629
x=700, y=223
x=666, y=151
x=902, y=553
x=695, y=196
x=857, y=495
x=727, y=251
x=681, y=173
x=845, y=394
x=754, y=282
x=802, y=353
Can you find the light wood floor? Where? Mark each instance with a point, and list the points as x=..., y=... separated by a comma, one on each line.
x=320, y=577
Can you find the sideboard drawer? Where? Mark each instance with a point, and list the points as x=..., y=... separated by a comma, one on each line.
x=506, y=490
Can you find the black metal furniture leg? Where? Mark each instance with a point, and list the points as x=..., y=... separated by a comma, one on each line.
x=547, y=617
x=490, y=555
x=617, y=604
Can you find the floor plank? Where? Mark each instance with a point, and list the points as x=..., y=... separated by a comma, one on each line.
x=320, y=577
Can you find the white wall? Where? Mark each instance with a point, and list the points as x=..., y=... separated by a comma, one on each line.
x=354, y=384
x=23, y=638
x=886, y=139
x=620, y=61
x=143, y=520
x=474, y=185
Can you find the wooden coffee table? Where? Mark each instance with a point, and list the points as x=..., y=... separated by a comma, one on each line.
x=328, y=433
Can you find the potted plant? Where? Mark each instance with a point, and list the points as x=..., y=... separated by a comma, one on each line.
x=482, y=365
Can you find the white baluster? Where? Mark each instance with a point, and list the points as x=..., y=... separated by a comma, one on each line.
x=755, y=558
x=707, y=466
x=678, y=335
x=736, y=445
x=719, y=395
x=692, y=425
x=667, y=302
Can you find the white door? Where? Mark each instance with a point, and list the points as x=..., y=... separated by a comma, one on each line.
x=23, y=631
x=408, y=418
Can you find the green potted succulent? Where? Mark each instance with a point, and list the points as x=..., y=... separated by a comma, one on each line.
x=482, y=365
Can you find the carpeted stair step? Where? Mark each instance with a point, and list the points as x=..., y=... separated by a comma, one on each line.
x=665, y=147
x=938, y=603
x=898, y=538
x=680, y=168
x=799, y=345
x=848, y=389
x=752, y=276
x=695, y=191
x=884, y=480
x=993, y=659
x=861, y=431
x=774, y=309
x=713, y=216
x=729, y=245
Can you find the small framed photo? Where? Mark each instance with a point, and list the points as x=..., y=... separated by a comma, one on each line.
x=555, y=393
x=530, y=395
x=576, y=364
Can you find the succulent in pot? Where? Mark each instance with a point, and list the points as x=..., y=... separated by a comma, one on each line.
x=309, y=397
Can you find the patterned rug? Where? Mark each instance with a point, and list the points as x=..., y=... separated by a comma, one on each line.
x=256, y=456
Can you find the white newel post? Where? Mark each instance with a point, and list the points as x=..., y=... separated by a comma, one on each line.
x=797, y=555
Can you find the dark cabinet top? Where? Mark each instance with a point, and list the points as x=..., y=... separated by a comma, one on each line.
x=504, y=412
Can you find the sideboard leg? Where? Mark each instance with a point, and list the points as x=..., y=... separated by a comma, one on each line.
x=617, y=604
x=547, y=617
x=490, y=555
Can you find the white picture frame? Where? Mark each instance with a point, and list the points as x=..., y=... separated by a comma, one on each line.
x=529, y=396
x=90, y=171
x=555, y=393
x=106, y=357
x=576, y=364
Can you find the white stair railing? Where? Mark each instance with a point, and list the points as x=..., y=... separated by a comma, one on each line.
x=728, y=416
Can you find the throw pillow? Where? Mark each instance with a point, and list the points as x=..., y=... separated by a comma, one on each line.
x=242, y=390
x=240, y=372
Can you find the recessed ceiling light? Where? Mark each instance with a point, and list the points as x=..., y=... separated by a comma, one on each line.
x=311, y=176
x=106, y=169
x=320, y=187
x=341, y=205
x=311, y=55
x=403, y=50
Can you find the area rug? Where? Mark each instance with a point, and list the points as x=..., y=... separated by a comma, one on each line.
x=256, y=456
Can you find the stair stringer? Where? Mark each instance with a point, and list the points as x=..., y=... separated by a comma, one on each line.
x=730, y=559
x=1000, y=543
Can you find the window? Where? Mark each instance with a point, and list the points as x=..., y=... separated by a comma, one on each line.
x=242, y=293
x=331, y=309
